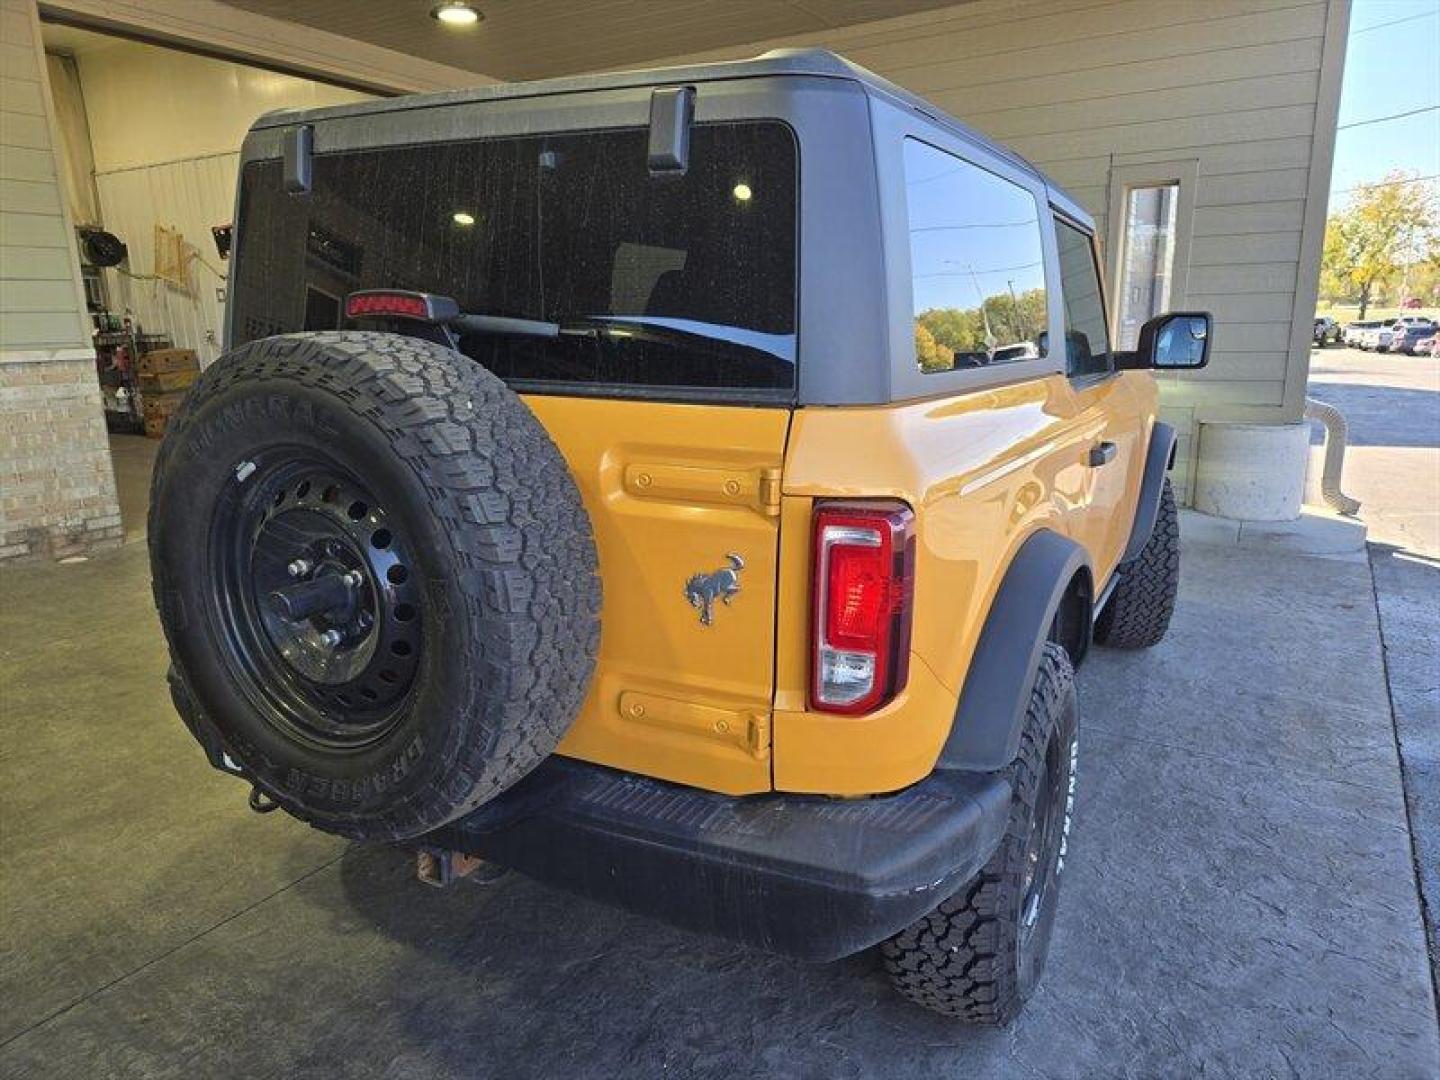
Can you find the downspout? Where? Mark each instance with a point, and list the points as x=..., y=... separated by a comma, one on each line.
x=1335, y=435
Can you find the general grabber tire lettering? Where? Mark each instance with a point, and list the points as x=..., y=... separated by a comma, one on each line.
x=1138, y=614
x=980, y=954
x=376, y=577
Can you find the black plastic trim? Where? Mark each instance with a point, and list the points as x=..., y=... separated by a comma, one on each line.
x=813, y=877
x=672, y=111
x=1158, y=460
x=299, y=159
x=991, y=712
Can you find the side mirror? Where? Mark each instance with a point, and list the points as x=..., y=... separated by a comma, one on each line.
x=1177, y=341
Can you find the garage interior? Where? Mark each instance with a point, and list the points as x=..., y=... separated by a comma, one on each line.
x=153, y=926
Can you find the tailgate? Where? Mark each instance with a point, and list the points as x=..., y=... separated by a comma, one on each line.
x=685, y=503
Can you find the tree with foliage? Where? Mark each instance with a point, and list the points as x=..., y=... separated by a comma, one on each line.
x=1368, y=242
x=930, y=353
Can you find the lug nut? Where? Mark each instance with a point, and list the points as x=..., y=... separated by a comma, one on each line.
x=330, y=638
x=298, y=567
x=353, y=579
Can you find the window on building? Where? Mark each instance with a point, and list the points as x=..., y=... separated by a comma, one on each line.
x=1147, y=257
x=976, y=264
x=1087, y=340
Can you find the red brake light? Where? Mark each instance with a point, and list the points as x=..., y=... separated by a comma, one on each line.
x=863, y=591
x=406, y=305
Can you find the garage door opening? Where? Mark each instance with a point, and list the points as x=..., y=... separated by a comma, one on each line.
x=150, y=140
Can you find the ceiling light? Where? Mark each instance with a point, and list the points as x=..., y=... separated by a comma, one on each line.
x=460, y=217
x=742, y=192
x=455, y=13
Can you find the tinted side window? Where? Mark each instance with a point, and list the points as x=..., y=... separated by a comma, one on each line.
x=685, y=282
x=977, y=267
x=1087, y=341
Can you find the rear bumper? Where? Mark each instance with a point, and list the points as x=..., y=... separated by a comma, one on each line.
x=814, y=877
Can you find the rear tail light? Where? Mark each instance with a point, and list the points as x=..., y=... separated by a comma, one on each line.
x=863, y=591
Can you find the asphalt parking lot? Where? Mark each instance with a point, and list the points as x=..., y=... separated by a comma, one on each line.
x=1240, y=900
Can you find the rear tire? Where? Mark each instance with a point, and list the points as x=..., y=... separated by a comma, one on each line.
x=1139, y=610
x=458, y=615
x=980, y=954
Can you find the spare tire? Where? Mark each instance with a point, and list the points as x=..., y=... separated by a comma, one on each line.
x=376, y=578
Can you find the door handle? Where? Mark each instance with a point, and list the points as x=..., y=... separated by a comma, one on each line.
x=1102, y=454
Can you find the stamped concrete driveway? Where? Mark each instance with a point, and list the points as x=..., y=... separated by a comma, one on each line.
x=1239, y=897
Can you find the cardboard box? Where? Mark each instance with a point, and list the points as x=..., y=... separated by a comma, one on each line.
x=165, y=381
x=160, y=361
x=155, y=426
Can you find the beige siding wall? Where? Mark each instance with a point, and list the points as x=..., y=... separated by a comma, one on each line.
x=39, y=287
x=1243, y=93
x=57, y=492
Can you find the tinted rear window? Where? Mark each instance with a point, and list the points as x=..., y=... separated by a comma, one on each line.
x=678, y=282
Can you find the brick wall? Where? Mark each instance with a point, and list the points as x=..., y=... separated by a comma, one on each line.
x=57, y=489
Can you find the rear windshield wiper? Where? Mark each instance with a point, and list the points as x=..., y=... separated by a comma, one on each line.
x=444, y=311
x=467, y=323
x=679, y=333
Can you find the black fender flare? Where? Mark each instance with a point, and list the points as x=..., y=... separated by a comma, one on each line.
x=1158, y=460
x=991, y=713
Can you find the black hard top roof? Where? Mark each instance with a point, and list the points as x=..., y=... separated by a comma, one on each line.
x=818, y=63
x=813, y=63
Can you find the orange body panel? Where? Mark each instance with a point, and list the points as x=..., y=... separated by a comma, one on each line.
x=982, y=472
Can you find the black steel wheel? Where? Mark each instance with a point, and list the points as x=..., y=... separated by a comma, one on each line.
x=376, y=578
x=320, y=609
x=1048, y=823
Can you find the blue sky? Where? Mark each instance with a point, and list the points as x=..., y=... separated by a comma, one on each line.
x=1389, y=69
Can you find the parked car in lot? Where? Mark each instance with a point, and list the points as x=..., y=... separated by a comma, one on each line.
x=1428, y=346
x=1378, y=337
x=824, y=699
x=1406, y=337
x=1354, y=331
x=1327, y=331
x=1375, y=338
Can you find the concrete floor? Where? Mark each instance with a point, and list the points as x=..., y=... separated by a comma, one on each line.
x=1240, y=896
x=1392, y=405
x=133, y=457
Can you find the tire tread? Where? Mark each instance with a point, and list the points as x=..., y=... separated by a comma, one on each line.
x=520, y=553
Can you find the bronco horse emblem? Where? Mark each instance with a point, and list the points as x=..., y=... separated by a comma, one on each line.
x=702, y=590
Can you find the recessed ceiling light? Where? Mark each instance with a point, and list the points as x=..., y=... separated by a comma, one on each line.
x=742, y=192
x=460, y=217
x=455, y=13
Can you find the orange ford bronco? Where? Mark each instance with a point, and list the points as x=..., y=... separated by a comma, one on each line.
x=692, y=488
